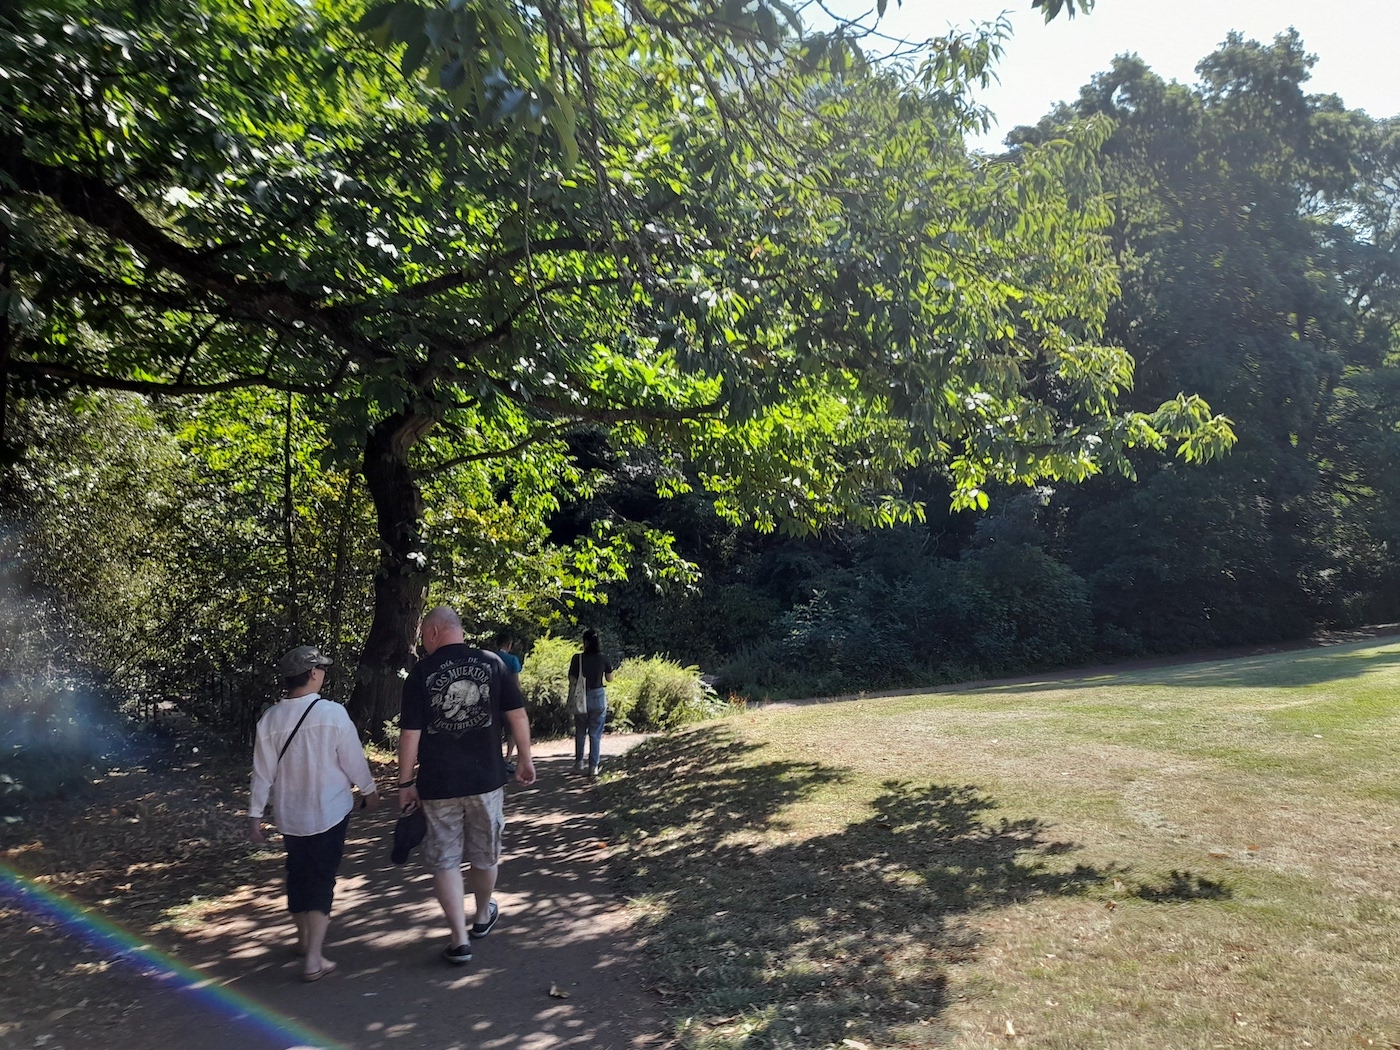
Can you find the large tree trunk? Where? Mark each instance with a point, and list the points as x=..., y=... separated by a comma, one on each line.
x=401, y=581
x=336, y=676
x=289, y=516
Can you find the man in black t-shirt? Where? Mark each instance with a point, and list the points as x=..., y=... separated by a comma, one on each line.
x=455, y=701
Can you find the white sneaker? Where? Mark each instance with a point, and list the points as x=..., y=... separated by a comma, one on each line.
x=580, y=766
x=593, y=771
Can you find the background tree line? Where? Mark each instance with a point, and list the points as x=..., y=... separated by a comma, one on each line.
x=1255, y=229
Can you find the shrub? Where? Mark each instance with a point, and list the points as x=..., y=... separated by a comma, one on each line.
x=886, y=622
x=646, y=694
x=759, y=673
x=654, y=693
x=544, y=679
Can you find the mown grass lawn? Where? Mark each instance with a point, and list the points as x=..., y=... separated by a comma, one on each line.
x=1202, y=855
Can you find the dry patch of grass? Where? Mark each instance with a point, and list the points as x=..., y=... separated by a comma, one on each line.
x=1201, y=856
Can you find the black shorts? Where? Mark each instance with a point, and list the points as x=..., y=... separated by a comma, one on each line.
x=312, y=864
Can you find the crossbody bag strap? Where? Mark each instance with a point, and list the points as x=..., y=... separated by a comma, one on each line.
x=296, y=727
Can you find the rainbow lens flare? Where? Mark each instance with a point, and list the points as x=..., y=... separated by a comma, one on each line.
x=94, y=930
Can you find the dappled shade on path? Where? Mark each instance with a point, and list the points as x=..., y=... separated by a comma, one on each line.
x=561, y=925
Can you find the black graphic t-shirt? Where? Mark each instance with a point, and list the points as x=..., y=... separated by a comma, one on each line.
x=458, y=697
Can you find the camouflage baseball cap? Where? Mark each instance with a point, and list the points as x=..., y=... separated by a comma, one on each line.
x=301, y=659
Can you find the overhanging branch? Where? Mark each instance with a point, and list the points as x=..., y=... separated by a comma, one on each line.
x=96, y=380
x=104, y=208
x=543, y=434
x=611, y=414
x=577, y=415
x=460, y=279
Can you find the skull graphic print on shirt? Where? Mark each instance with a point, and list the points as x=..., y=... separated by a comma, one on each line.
x=459, y=696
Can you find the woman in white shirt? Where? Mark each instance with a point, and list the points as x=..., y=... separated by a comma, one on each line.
x=306, y=758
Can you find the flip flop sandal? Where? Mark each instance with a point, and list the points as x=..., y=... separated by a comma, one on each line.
x=316, y=975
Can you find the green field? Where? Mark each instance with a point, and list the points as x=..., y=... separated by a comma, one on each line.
x=1201, y=855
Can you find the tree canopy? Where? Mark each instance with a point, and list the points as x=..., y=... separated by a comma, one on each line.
x=1256, y=231
x=740, y=251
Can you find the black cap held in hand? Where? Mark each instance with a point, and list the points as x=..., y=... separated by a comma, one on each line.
x=408, y=832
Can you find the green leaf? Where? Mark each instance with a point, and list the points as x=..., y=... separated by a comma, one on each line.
x=452, y=75
x=768, y=27
x=566, y=130
x=375, y=17
x=413, y=54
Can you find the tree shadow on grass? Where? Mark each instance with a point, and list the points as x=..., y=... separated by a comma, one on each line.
x=1184, y=886
x=700, y=779
x=765, y=941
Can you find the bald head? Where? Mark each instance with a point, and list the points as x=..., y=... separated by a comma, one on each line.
x=442, y=626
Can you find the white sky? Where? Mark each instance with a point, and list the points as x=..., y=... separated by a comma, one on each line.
x=1357, y=43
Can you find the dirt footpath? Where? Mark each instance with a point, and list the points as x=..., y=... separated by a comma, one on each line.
x=562, y=927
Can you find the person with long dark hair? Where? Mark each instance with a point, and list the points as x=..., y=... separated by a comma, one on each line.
x=596, y=671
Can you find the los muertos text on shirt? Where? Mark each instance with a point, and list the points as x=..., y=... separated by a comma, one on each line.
x=460, y=695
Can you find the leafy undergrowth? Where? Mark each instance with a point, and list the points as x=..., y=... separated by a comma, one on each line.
x=1198, y=856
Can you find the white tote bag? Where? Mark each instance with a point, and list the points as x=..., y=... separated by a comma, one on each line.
x=578, y=691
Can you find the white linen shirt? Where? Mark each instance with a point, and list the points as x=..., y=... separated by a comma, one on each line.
x=310, y=788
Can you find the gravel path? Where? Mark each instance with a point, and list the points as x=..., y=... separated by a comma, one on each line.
x=562, y=927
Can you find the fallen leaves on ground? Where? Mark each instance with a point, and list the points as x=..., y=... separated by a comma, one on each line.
x=159, y=837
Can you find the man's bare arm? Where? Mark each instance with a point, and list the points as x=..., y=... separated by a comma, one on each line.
x=520, y=730
x=408, y=758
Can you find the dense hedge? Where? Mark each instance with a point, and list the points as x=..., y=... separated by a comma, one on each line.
x=887, y=621
x=544, y=680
